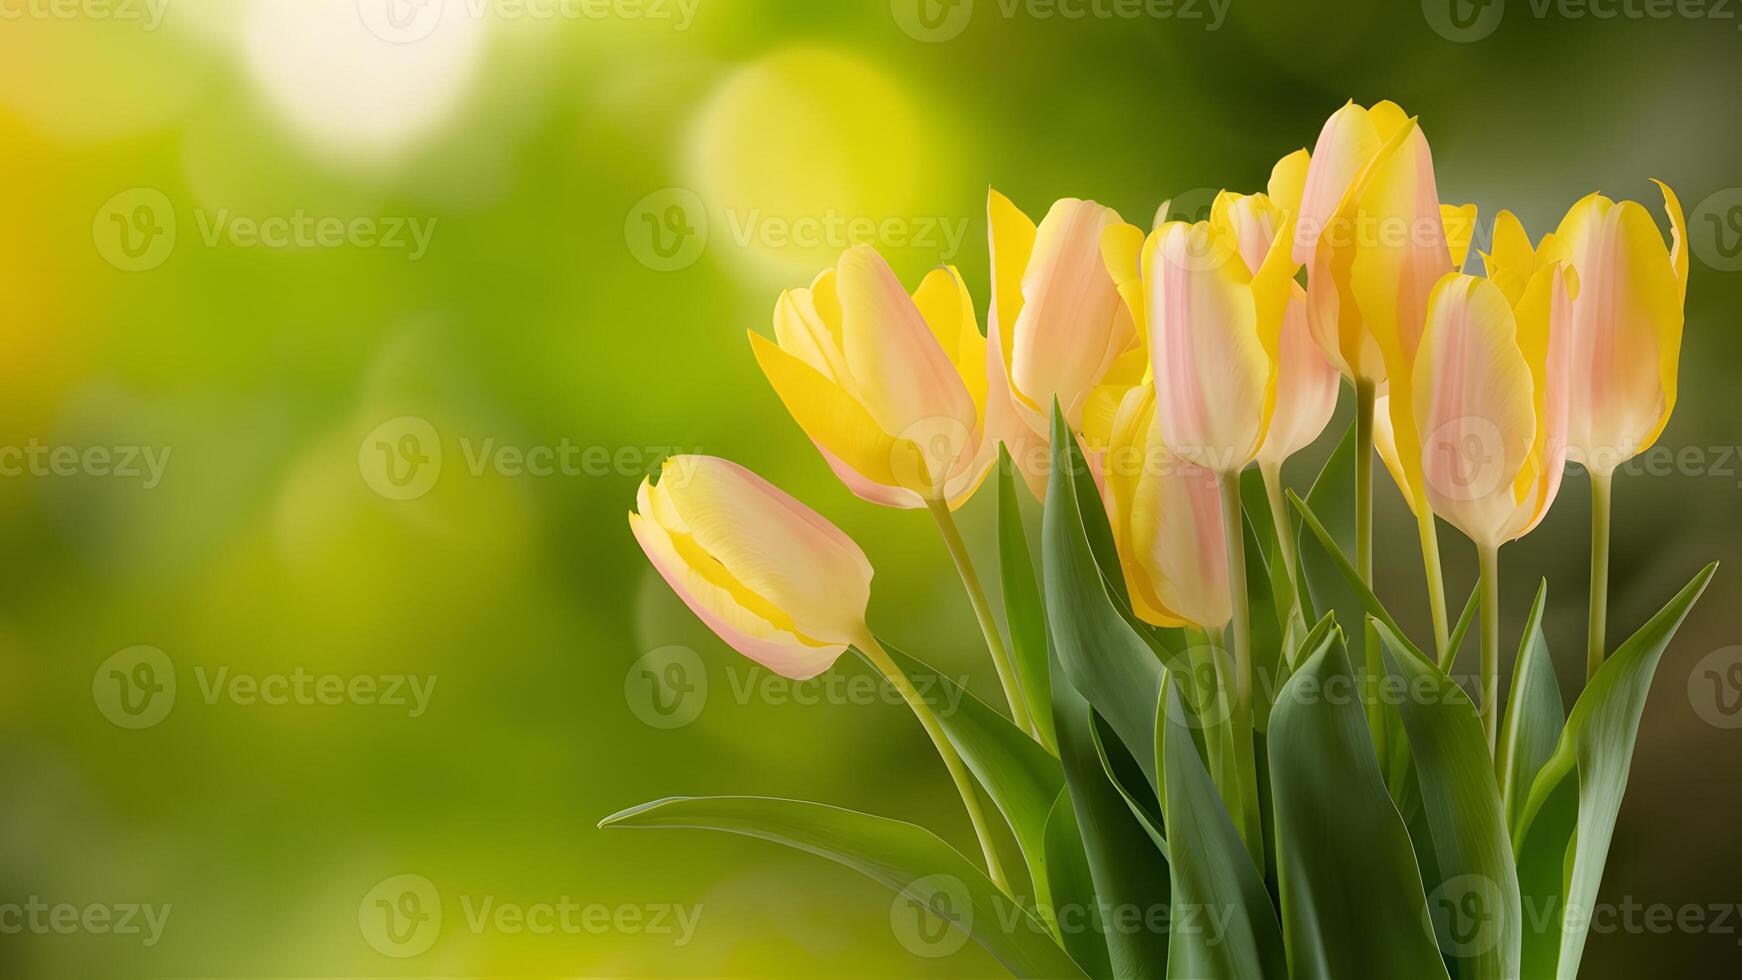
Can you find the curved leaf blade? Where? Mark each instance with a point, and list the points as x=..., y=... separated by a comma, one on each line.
x=910, y=860
x=1353, y=904
x=1023, y=612
x=1073, y=889
x=1223, y=926
x=1474, y=901
x=1562, y=842
x=1534, y=715
x=1022, y=779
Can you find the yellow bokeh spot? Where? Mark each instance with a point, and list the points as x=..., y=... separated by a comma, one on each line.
x=805, y=152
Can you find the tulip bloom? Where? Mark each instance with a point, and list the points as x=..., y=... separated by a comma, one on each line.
x=1057, y=330
x=1166, y=515
x=890, y=387
x=1492, y=384
x=776, y=581
x=1626, y=352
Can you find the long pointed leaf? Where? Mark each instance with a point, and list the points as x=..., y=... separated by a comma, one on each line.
x=1104, y=660
x=1223, y=926
x=1473, y=899
x=1332, y=497
x=1023, y=611
x=1562, y=843
x=1534, y=715
x=908, y=859
x=1022, y=779
x=1353, y=905
x=1073, y=888
x=1340, y=561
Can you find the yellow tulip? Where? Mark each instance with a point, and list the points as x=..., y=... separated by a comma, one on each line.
x=1492, y=397
x=890, y=387
x=1057, y=330
x=1166, y=515
x=1627, y=326
x=776, y=581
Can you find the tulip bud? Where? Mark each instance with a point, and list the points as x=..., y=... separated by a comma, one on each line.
x=776, y=581
x=1626, y=326
x=1166, y=515
x=1058, y=330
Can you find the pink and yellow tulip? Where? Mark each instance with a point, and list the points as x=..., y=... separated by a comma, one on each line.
x=1057, y=330
x=776, y=581
x=891, y=388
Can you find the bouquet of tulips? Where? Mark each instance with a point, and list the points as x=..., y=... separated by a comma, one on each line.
x=1222, y=756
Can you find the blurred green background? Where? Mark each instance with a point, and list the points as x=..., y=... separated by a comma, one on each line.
x=289, y=248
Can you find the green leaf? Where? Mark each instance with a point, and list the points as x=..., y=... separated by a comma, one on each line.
x=1333, y=497
x=1340, y=561
x=1474, y=902
x=1534, y=715
x=1223, y=926
x=1023, y=611
x=1073, y=888
x=1138, y=799
x=1563, y=837
x=1103, y=658
x=1022, y=779
x=1353, y=904
x=1128, y=871
x=908, y=859
x=1455, y=642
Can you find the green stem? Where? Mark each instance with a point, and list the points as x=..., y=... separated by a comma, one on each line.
x=1490, y=584
x=958, y=549
x=1245, y=767
x=1436, y=578
x=1601, y=486
x=1273, y=489
x=879, y=658
x=1366, y=395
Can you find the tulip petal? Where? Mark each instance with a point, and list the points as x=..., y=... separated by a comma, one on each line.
x=905, y=380
x=1459, y=222
x=1306, y=387
x=1348, y=141
x=864, y=456
x=1073, y=323
x=1212, y=373
x=1288, y=180
x=1474, y=405
x=786, y=555
x=754, y=637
